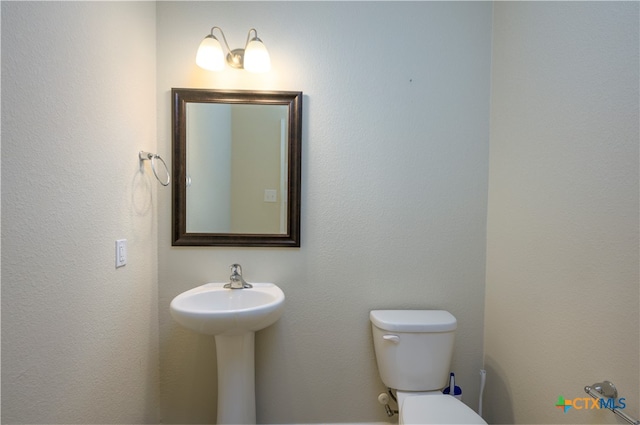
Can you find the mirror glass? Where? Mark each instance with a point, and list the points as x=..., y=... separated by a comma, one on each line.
x=236, y=163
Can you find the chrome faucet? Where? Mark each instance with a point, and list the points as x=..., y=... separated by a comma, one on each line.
x=237, y=281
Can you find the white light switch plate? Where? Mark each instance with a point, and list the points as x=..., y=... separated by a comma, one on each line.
x=121, y=252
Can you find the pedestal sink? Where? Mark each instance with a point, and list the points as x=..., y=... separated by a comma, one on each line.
x=232, y=316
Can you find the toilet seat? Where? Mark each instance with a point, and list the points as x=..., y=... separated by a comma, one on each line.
x=437, y=409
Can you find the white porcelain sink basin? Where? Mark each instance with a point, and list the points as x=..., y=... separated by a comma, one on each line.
x=213, y=310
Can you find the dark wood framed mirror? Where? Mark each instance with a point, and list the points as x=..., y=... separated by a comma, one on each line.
x=236, y=167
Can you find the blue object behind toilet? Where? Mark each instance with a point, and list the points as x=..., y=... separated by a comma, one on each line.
x=453, y=389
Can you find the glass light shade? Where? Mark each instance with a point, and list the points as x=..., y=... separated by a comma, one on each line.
x=210, y=55
x=256, y=57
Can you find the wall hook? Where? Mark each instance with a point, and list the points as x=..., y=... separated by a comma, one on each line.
x=152, y=157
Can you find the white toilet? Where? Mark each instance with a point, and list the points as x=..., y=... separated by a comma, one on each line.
x=413, y=350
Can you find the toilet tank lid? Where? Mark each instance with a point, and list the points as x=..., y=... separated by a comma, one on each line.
x=413, y=320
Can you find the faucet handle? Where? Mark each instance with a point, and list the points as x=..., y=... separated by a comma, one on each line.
x=236, y=279
x=234, y=269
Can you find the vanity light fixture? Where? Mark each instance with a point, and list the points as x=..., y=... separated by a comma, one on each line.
x=254, y=57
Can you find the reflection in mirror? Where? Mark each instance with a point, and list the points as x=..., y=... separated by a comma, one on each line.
x=236, y=173
x=237, y=167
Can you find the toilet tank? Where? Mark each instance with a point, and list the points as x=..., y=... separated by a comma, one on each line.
x=413, y=347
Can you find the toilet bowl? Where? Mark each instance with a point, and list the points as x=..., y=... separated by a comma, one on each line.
x=413, y=352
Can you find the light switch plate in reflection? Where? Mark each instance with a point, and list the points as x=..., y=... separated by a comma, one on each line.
x=270, y=195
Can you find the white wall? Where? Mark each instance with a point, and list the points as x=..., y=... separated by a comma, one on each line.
x=562, y=253
x=394, y=191
x=79, y=338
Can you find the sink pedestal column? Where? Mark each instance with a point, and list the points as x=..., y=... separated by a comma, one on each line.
x=236, y=378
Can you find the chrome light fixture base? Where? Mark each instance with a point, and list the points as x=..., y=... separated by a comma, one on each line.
x=235, y=58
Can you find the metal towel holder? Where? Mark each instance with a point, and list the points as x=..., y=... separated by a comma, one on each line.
x=152, y=158
x=606, y=389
